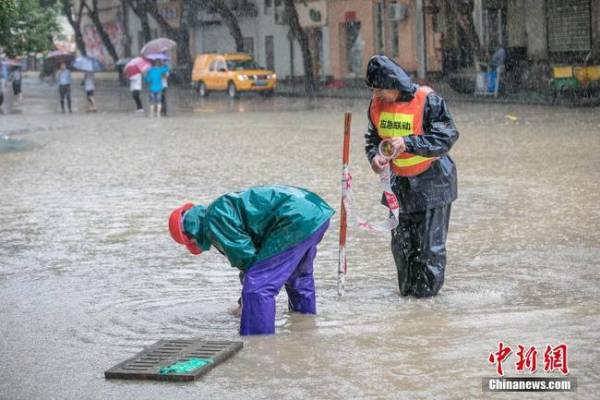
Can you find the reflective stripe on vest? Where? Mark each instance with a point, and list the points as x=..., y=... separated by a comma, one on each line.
x=403, y=119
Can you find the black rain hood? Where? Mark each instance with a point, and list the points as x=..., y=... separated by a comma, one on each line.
x=384, y=73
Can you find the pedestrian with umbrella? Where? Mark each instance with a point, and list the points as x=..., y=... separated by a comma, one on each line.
x=15, y=76
x=161, y=58
x=54, y=59
x=89, y=85
x=156, y=50
x=133, y=70
x=135, y=86
x=89, y=65
x=64, y=86
x=61, y=59
x=154, y=77
x=165, y=86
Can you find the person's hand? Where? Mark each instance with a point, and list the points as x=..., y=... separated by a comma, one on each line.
x=236, y=310
x=399, y=145
x=378, y=163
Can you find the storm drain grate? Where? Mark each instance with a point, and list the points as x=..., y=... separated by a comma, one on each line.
x=175, y=360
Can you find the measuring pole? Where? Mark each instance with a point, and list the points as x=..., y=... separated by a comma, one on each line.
x=342, y=262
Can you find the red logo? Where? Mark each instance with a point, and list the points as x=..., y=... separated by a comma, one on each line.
x=527, y=359
x=555, y=358
x=498, y=357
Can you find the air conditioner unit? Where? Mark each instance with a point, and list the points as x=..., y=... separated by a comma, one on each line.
x=397, y=12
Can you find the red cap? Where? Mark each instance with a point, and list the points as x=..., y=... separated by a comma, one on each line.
x=177, y=232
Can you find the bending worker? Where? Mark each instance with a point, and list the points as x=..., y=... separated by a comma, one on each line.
x=271, y=234
x=422, y=131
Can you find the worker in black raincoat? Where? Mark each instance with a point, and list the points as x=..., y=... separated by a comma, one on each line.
x=417, y=122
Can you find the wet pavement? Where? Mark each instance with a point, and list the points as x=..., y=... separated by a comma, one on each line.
x=89, y=274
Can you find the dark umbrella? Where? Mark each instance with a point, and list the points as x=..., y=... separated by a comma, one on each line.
x=60, y=55
x=54, y=59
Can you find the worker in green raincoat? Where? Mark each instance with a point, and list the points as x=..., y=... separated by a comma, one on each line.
x=270, y=233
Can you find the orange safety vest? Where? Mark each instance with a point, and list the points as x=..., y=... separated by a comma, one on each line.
x=403, y=119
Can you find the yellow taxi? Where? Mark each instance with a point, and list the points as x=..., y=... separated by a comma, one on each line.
x=233, y=73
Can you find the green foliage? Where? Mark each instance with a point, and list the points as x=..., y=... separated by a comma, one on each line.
x=27, y=27
x=8, y=10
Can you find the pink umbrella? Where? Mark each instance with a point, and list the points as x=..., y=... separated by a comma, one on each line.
x=136, y=66
x=159, y=45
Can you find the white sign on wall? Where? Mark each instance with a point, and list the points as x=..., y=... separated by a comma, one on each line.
x=312, y=13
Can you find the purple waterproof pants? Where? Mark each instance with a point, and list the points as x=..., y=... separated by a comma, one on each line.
x=264, y=280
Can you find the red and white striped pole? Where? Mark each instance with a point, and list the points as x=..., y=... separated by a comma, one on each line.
x=342, y=262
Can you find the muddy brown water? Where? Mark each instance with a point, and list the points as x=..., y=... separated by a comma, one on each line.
x=89, y=274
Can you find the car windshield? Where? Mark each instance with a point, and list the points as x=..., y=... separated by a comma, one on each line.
x=237, y=65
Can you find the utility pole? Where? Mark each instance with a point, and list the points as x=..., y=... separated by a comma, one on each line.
x=419, y=24
x=384, y=26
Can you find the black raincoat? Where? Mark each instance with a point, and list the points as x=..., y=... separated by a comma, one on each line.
x=419, y=241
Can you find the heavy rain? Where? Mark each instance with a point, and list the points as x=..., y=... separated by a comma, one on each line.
x=90, y=274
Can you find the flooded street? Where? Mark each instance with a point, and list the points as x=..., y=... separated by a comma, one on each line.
x=89, y=274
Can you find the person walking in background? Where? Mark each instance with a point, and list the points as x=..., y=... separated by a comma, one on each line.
x=2, y=84
x=165, y=84
x=153, y=77
x=421, y=129
x=15, y=77
x=64, y=86
x=89, y=86
x=135, y=86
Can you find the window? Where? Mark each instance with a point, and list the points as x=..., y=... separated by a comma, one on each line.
x=248, y=43
x=569, y=25
x=270, y=52
x=221, y=65
x=268, y=5
x=240, y=65
x=354, y=48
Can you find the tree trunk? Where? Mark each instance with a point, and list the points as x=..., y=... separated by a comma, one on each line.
x=180, y=36
x=126, y=35
x=230, y=21
x=139, y=9
x=463, y=10
x=302, y=38
x=95, y=17
x=184, y=55
x=75, y=24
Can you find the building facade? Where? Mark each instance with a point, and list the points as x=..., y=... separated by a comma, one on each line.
x=422, y=35
x=267, y=35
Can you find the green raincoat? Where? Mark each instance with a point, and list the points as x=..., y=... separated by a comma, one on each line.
x=257, y=223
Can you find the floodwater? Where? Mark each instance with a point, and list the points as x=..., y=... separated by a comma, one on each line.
x=89, y=274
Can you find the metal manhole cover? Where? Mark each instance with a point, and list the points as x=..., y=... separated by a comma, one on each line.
x=175, y=360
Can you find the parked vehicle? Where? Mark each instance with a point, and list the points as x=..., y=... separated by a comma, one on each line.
x=233, y=73
x=575, y=82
